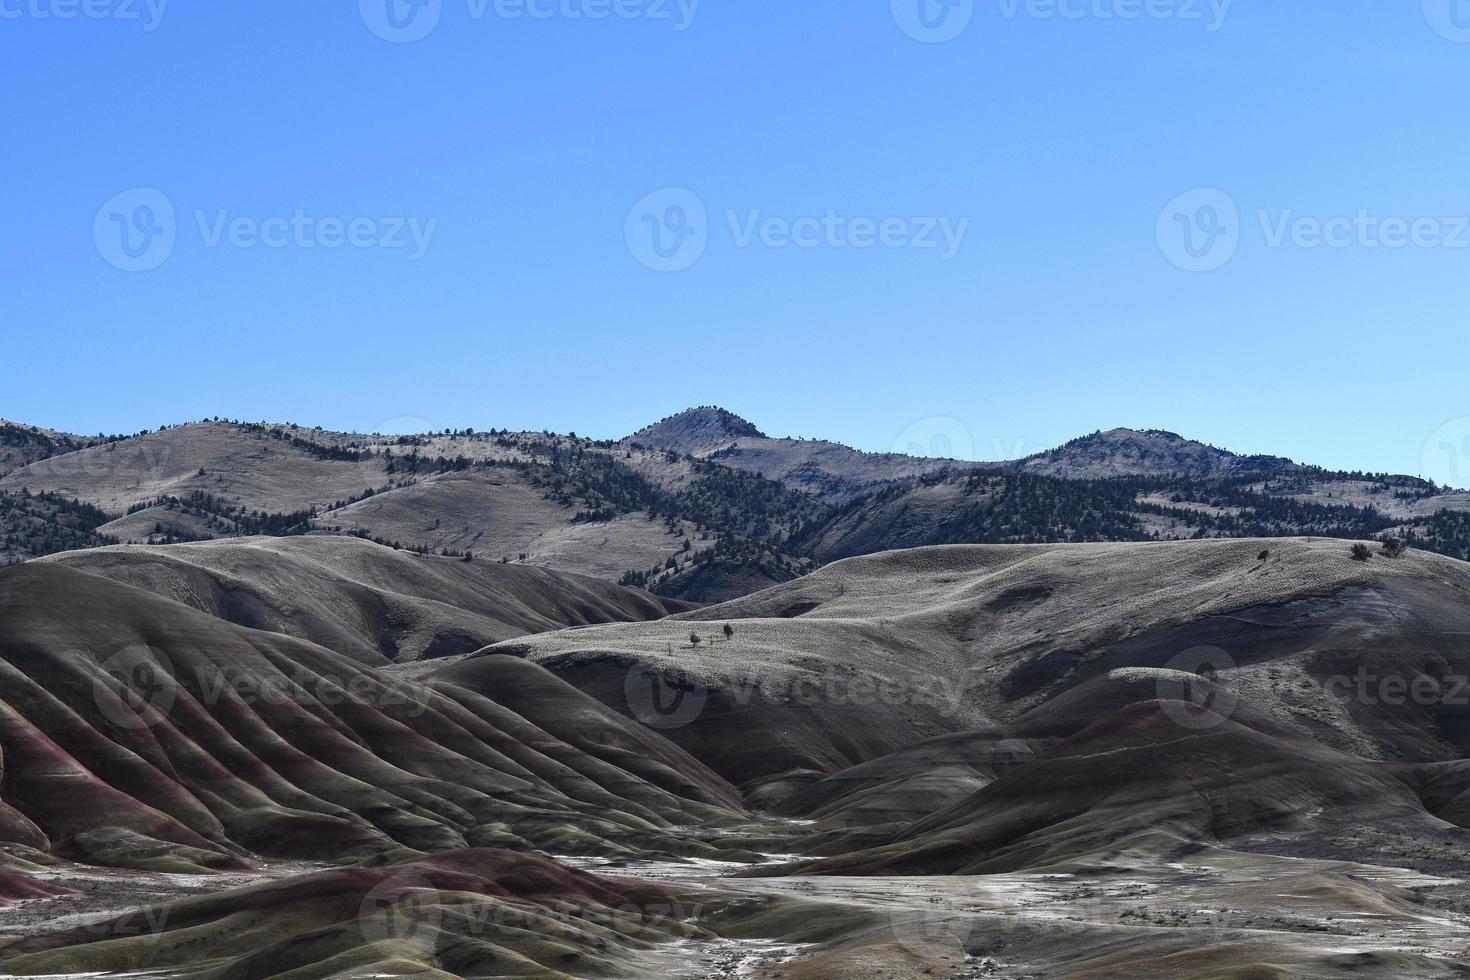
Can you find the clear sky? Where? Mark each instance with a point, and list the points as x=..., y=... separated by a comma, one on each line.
x=877, y=222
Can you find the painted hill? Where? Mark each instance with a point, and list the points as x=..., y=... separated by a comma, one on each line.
x=457, y=911
x=871, y=655
x=367, y=601
x=142, y=733
x=1160, y=759
x=1139, y=783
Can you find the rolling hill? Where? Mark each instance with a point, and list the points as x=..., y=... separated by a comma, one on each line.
x=531, y=499
x=22, y=445
x=142, y=733
x=366, y=601
x=1103, y=759
x=983, y=660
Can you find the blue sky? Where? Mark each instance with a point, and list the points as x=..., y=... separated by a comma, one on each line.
x=877, y=235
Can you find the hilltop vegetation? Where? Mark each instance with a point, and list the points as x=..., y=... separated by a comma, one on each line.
x=702, y=505
x=46, y=523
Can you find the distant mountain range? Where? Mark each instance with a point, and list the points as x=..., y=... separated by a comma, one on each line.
x=701, y=506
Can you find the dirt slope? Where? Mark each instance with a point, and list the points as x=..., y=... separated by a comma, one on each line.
x=142, y=733
x=364, y=600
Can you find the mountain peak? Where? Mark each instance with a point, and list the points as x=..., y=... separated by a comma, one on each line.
x=703, y=429
x=1142, y=452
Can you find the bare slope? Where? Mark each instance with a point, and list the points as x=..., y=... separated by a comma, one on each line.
x=1152, y=782
x=531, y=498
x=499, y=514
x=471, y=913
x=246, y=465
x=139, y=732
x=873, y=654
x=368, y=601
x=21, y=445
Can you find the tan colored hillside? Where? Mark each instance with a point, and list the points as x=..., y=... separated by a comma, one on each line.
x=970, y=637
x=364, y=600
